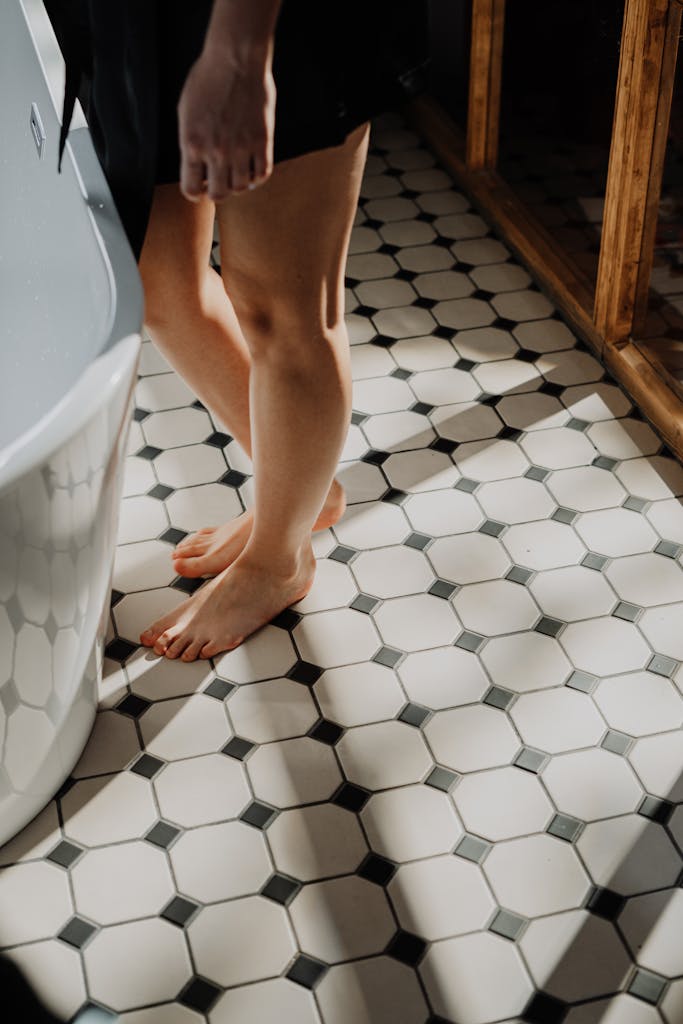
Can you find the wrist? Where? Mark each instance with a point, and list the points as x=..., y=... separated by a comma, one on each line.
x=243, y=30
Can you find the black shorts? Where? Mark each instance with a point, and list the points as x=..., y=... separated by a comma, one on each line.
x=335, y=66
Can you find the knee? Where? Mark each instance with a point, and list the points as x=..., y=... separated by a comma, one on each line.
x=282, y=321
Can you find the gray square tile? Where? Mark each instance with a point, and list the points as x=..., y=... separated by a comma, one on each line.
x=593, y=561
x=628, y=612
x=470, y=641
x=467, y=485
x=617, y=742
x=472, y=848
x=647, y=986
x=531, y=760
x=668, y=548
x=635, y=504
x=497, y=697
x=564, y=827
x=441, y=778
x=518, y=574
x=662, y=665
x=548, y=626
x=582, y=681
x=507, y=924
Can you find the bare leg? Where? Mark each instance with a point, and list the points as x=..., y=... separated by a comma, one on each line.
x=284, y=252
x=192, y=321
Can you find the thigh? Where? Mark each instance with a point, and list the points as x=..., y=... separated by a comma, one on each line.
x=284, y=244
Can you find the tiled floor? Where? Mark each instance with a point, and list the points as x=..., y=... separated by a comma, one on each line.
x=447, y=785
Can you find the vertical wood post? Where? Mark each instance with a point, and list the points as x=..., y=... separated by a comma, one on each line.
x=649, y=45
x=486, y=66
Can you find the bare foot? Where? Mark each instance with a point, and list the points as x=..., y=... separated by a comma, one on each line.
x=228, y=608
x=212, y=549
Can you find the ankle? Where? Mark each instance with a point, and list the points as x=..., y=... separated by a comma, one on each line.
x=284, y=562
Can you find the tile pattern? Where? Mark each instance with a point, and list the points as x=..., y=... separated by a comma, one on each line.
x=447, y=785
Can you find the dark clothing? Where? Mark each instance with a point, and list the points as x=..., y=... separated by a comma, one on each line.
x=334, y=67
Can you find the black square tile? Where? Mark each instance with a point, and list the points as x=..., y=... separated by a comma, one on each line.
x=364, y=603
x=114, y=598
x=423, y=408
x=545, y=1009
x=133, y=705
x=119, y=649
x=233, y=478
x=179, y=911
x=626, y=611
x=382, y=341
x=591, y=560
x=469, y=641
x=199, y=994
x=351, y=797
x=582, y=681
x=635, y=504
x=605, y=903
x=393, y=496
x=564, y=515
x=491, y=400
x=602, y=462
x=147, y=766
x=259, y=815
x=218, y=439
x=306, y=971
x=326, y=732
x=387, y=656
x=497, y=697
x=442, y=588
x=441, y=778
x=656, y=809
x=504, y=324
x=443, y=444
x=507, y=924
x=76, y=932
x=526, y=355
x=616, y=742
x=65, y=854
x=472, y=848
x=160, y=492
x=357, y=418
x=305, y=672
x=342, y=554
x=407, y=948
x=576, y=424
x=662, y=665
x=668, y=549
x=281, y=889
x=377, y=869
x=518, y=574
x=548, y=626
x=238, y=748
x=537, y=473
x=286, y=619
x=466, y=485
x=162, y=834
x=148, y=452
x=507, y=433
x=482, y=294
x=173, y=536
x=466, y=365
x=565, y=827
x=141, y=414
x=647, y=985
x=400, y=373
x=531, y=760
x=375, y=457
x=187, y=585
x=414, y=714
x=444, y=332
x=219, y=688
x=198, y=405
x=417, y=540
x=491, y=528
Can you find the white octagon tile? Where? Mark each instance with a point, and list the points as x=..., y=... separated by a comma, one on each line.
x=536, y=875
x=499, y=606
x=364, y=265
x=191, y=508
x=461, y=314
x=393, y=571
x=108, y=809
x=646, y=579
x=640, y=703
x=461, y=225
x=185, y=726
x=502, y=804
x=605, y=646
x=413, y=623
x=629, y=855
x=263, y=655
x=658, y=761
x=547, y=545
x=190, y=465
x=570, y=367
x=264, y=1003
x=372, y=361
x=469, y=558
x=317, y=841
x=615, y=531
x=427, y=353
x=241, y=941
x=671, y=1005
x=441, y=202
x=404, y=321
x=466, y=421
x=274, y=710
x=523, y=305
x=472, y=738
x=444, y=386
x=391, y=209
x=507, y=377
x=624, y=439
x=443, y=284
x=652, y=476
x=363, y=483
x=532, y=411
x=389, y=819
x=293, y=772
x=592, y=784
x=504, y=277
x=490, y=460
x=382, y=755
x=202, y=790
x=515, y=501
x=477, y=978
x=336, y=637
x=54, y=972
x=383, y=394
x=661, y=626
x=652, y=925
x=369, y=991
x=425, y=470
x=557, y=720
x=560, y=448
x=388, y=425
x=422, y=259
x=138, y=963
x=440, y=897
x=35, y=840
x=142, y=566
x=359, y=694
x=572, y=593
x=158, y=678
x=561, y=954
x=481, y=251
x=138, y=476
x=527, y=661
x=445, y=677
x=151, y=361
x=35, y=902
x=112, y=745
x=371, y=524
x=407, y=232
x=484, y=345
x=219, y=862
x=341, y=919
x=586, y=488
x=141, y=518
x=667, y=517
x=176, y=427
x=163, y=391
x=138, y=882
x=595, y=402
x=544, y=335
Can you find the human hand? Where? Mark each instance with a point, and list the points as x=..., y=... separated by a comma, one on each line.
x=226, y=123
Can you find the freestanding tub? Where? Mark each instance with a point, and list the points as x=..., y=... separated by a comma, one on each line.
x=70, y=319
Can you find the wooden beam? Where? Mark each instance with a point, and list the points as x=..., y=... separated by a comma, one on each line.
x=486, y=69
x=632, y=155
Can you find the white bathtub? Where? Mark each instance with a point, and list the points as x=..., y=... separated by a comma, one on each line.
x=70, y=319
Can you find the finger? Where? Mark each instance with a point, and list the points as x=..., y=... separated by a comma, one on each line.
x=192, y=174
x=240, y=171
x=218, y=177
